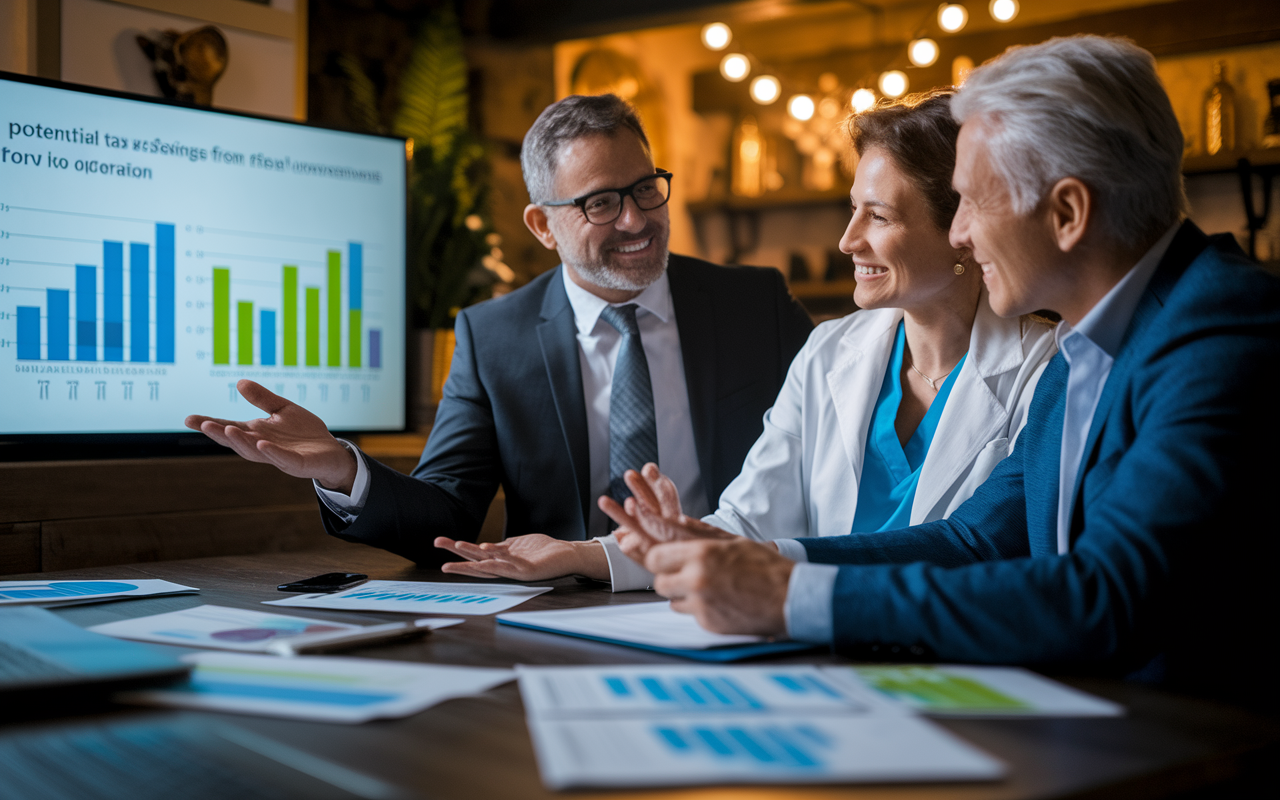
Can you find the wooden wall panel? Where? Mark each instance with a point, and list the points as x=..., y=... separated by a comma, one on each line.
x=72, y=544
x=20, y=548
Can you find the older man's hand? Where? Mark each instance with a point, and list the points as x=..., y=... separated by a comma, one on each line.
x=729, y=586
x=652, y=515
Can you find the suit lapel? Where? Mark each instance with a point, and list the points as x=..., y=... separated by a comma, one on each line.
x=1187, y=244
x=558, y=337
x=695, y=308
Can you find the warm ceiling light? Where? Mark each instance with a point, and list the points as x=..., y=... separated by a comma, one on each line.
x=716, y=36
x=801, y=107
x=961, y=66
x=1004, y=10
x=735, y=67
x=862, y=100
x=765, y=89
x=923, y=52
x=952, y=17
x=893, y=83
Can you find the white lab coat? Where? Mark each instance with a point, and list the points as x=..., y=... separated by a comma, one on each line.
x=802, y=475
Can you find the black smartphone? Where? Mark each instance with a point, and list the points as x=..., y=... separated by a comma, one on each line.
x=328, y=582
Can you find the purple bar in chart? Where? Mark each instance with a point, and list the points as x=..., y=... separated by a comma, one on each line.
x=375, y=348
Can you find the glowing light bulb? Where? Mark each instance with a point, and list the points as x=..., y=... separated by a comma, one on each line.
x=923, y=52
x=801, y=107
x=893, y=83
x=734, y=67
x=765, y=89
x=862, y=100
x=952, y=17
x=716, y=36
x=1004, y=10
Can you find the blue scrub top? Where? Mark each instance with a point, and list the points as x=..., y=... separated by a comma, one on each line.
x=891, y=471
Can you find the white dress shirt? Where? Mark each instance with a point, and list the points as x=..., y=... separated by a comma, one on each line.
x=598, y=345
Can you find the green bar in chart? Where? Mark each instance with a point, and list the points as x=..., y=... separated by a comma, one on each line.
x=290, y=323
x=313, y=326
x=934, y=689
x=221, y=315
x=353, y=354
x=244, y=333
x=335, y=309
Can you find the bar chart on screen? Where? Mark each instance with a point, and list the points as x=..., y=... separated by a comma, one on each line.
x=153, y=256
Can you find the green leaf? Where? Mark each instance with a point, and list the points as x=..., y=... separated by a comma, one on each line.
x=433, y=90
x=362, y=95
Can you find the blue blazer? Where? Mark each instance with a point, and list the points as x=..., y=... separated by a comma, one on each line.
x=1173, y=532
x=513, y=412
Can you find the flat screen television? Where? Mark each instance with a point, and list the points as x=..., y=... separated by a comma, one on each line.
x=152, y=254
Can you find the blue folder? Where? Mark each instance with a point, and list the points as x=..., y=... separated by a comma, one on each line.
x=736, y=652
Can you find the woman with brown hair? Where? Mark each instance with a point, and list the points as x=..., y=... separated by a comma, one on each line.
x=890, y=416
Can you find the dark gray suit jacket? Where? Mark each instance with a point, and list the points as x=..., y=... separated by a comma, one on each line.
x=513, y=412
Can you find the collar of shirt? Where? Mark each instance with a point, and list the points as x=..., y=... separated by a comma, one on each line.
x=587, y=307
x=1107, y=321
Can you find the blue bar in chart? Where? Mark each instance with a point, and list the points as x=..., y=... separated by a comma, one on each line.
x=711, y=693
x=59, y=321
x=164, y=293
x=86, y=313
x=112, y=301
x=29, y=333
x=792, y=747
x=139, y=307
x=267, y=342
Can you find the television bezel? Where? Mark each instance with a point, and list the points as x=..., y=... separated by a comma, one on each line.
x=72, y=446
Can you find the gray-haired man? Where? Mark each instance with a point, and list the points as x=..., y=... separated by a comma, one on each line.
x=619, y=356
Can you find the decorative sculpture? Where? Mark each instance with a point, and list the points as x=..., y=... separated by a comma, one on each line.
x=187, y=65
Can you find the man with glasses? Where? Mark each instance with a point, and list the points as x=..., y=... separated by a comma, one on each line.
x=621, y=356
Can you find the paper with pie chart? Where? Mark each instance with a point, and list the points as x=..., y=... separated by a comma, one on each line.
x=68, y=593
x=222, y=628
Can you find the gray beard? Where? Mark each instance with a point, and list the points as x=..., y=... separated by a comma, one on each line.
x=607, y=277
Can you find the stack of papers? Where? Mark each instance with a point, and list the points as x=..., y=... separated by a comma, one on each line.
x=69, y=593
x=418, y=597
x=955, y=690
x=322, y=688
x=223, y=628
x=650, y=626
x=679, y=725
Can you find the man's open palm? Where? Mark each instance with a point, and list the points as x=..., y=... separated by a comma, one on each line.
x=292, y=439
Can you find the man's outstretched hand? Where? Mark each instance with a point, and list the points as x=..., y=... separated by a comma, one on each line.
x=531, y=557
x=292, y=439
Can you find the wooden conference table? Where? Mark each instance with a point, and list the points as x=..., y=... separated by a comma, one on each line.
x=480, y=748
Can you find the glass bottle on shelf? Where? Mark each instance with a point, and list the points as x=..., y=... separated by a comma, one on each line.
x=1220, y=113
x=1271, y=126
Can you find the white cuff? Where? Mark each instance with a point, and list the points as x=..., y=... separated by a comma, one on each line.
x=348, y=506
x=792, y=549
x=810, y=594
x=625, y=574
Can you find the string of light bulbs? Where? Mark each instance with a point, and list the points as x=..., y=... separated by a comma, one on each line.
x=922, y=51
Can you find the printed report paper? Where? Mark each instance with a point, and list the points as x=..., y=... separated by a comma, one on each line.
x=650, y=624
x=419, y=597
x=320, y=688
x=665, y=725
x=69, y=593
x=956, y=690
x=223, y=628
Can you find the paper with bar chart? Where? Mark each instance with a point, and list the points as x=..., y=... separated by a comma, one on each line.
x=321, y=688
x=420, y=597
x=153, y=255
x=962, y=690
x=658, y=725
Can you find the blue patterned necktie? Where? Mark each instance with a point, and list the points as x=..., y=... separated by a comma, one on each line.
x=633, y=428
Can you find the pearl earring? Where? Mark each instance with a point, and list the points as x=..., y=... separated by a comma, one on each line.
x=959, y=268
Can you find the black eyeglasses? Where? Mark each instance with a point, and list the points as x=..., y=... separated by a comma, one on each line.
x=604, y=206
